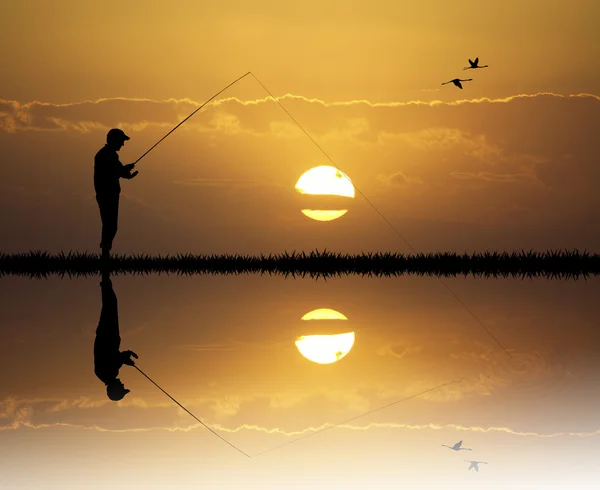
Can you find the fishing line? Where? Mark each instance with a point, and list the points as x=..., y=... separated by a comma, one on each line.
x=215, y=433
x=336, y=166
x=362, y=415
x=382, y=216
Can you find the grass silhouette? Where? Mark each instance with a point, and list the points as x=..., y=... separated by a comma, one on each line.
x=560, y=264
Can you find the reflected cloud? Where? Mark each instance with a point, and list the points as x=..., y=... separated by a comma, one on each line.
x=22, y=417
x=399, y=349
x=526, y=374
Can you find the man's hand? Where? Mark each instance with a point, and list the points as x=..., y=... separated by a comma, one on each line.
x=129, y=167
x=131, y=176
x=127, y=357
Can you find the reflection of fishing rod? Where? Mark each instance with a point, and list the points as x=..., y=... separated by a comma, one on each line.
x=215, y=433
x=219, y=92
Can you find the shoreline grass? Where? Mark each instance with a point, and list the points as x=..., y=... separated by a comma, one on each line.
x=558, y=264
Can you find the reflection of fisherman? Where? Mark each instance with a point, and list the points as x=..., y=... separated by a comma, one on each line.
x=107, y=172
x=107, y=357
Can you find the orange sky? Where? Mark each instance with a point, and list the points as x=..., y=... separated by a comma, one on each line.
x=509, y=162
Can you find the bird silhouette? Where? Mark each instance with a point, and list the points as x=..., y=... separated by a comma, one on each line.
x=457, y=447
x=474, y=65
x=457, y=81
x=474, y=464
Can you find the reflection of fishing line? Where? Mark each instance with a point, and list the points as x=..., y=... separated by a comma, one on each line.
x=364, y=414
x=351, y=419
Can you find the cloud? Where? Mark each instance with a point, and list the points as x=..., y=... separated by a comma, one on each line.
x=224, y=114
x=492, y=177
x=364, y=102
x=98, y=114
x=400, y=179
x=522, y=161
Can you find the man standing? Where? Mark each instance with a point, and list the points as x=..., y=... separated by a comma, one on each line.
x=107, y=172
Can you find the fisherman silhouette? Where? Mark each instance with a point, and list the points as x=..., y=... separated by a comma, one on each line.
x=107, y=172
x=108, y=359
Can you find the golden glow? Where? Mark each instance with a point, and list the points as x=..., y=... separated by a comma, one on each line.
x=325, y=180
x=325, y=349
x=324, y=314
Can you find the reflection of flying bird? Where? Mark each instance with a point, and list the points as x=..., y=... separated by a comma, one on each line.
x=457, y=447
x=474, y=464
x=457, y=81
x=474, y=65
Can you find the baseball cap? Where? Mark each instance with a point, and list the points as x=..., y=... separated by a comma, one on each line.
x=117, y=134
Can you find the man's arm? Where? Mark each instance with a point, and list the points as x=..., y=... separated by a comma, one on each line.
x=125, y=171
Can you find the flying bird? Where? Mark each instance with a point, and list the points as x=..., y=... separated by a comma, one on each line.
x=457, y=81
x=474, y=64
x=474, y=464
x=457, y=447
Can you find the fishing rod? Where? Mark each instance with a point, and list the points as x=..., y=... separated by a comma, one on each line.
x=218, y=93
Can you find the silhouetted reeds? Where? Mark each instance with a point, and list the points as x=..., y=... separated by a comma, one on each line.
x=561, y=264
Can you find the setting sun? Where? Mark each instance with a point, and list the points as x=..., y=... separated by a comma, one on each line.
x=325, y=180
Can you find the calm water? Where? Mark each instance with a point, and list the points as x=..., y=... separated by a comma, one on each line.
x=225, y=348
